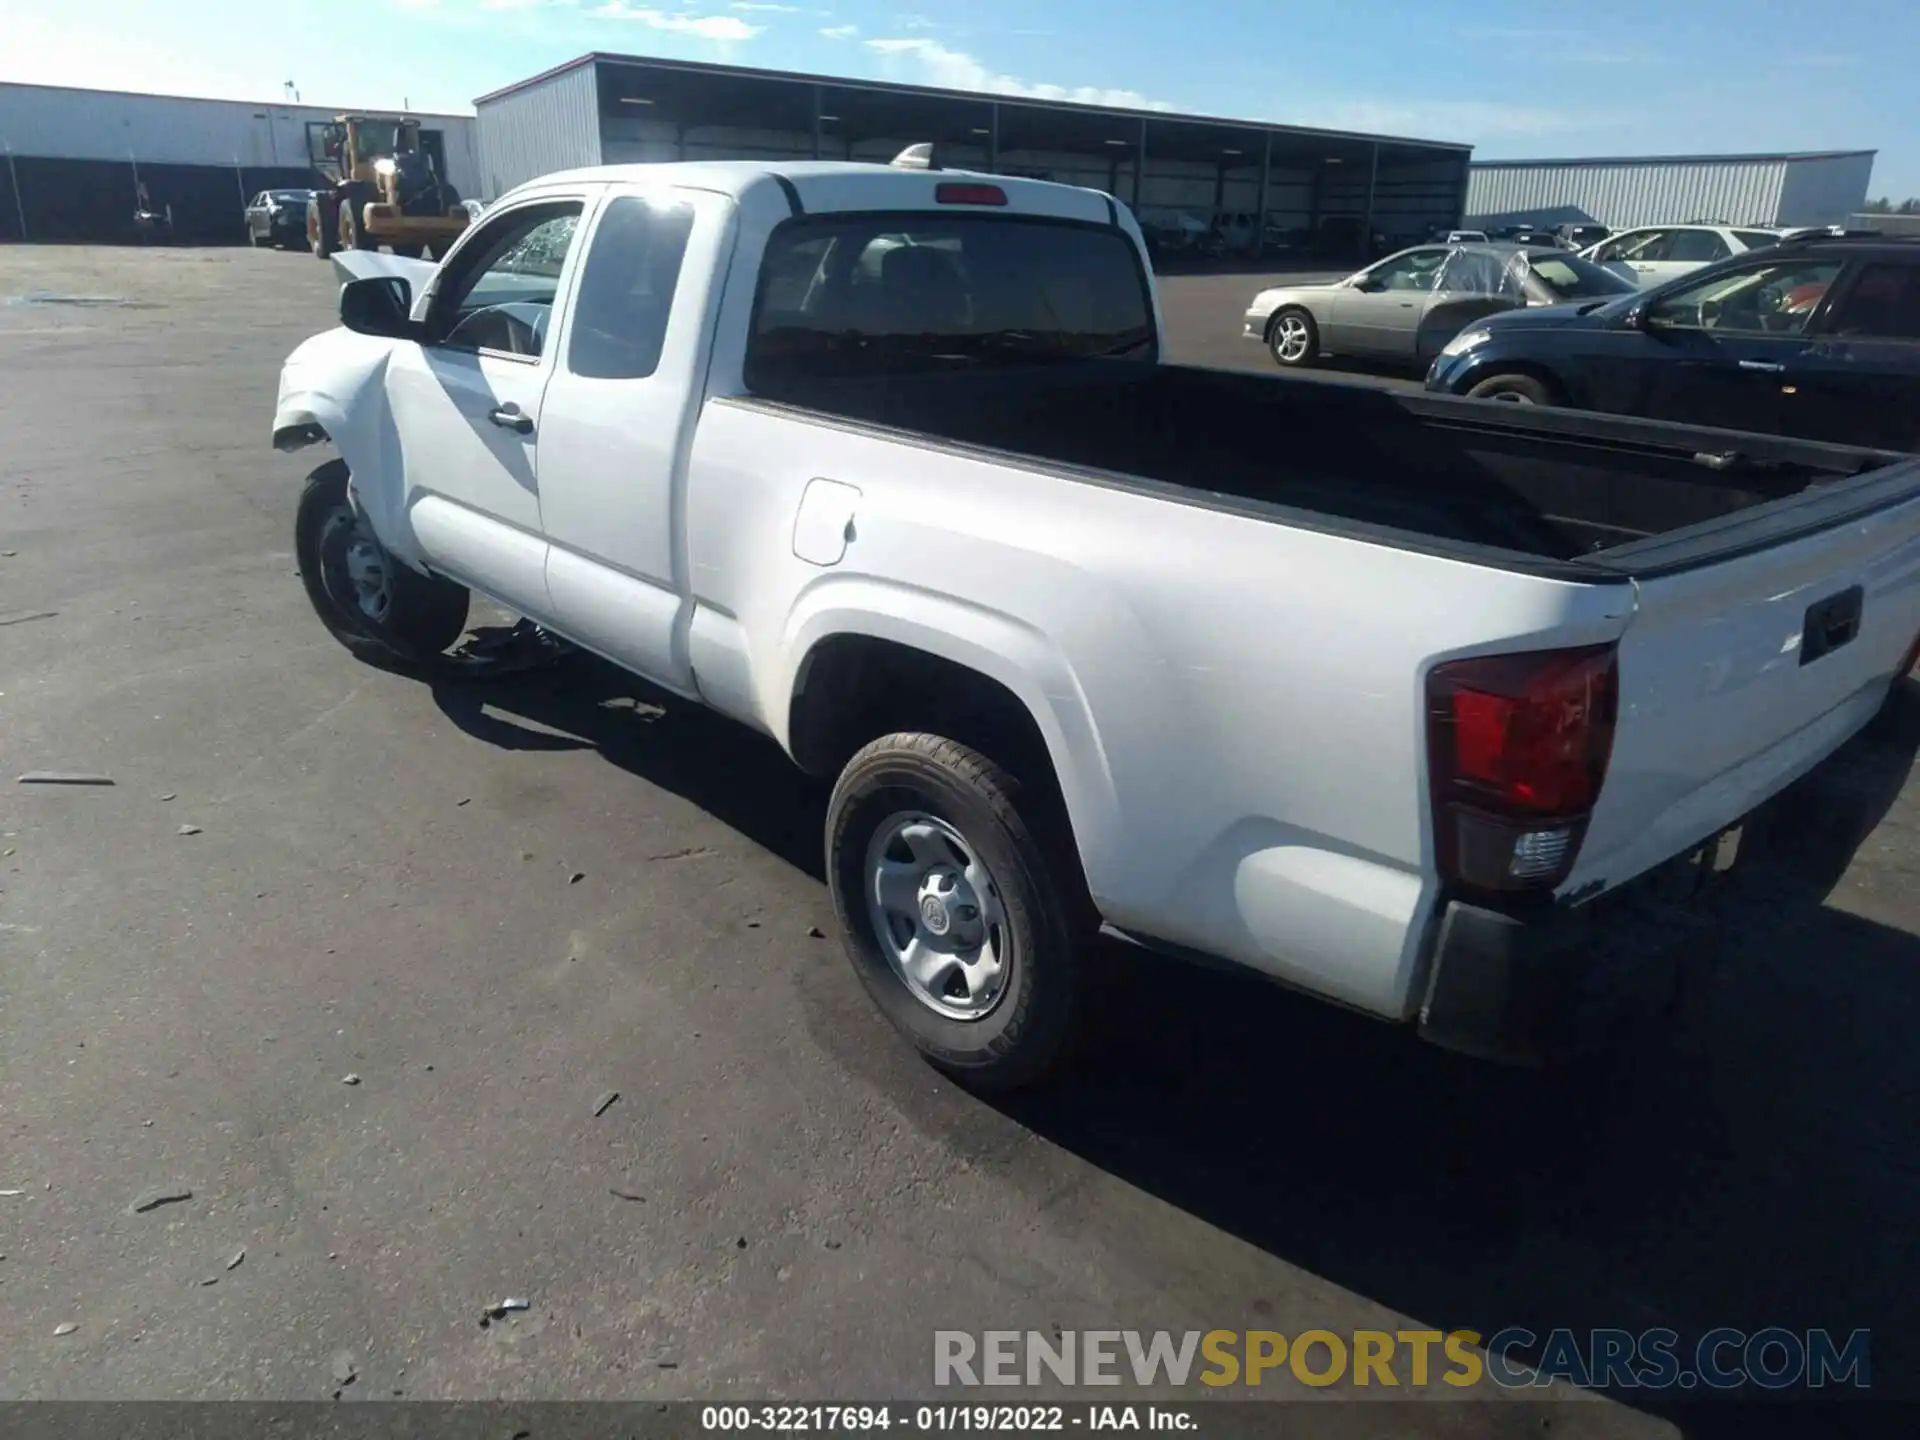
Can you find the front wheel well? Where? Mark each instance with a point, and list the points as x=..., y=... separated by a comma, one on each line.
x=1493, y=369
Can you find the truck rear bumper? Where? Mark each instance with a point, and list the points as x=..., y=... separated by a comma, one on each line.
x=1508, y=987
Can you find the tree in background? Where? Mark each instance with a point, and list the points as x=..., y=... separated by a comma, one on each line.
x=1884, y=206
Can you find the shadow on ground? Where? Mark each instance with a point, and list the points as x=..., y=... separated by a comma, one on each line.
x=1750, y=1164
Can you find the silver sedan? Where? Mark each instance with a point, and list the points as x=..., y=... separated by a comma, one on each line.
x=1405, y=307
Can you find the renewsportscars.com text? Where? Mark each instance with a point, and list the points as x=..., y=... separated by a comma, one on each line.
x=1724, y=1359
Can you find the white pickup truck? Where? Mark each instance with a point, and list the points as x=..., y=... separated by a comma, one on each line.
x=1386, y=696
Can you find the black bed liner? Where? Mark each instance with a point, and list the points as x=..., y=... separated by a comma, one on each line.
x=1592, y=495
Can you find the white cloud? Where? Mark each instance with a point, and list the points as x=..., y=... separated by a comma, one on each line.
x=704, y=27
x=760, y=7
x=416, y=4
x=934, y=64
x=840, y=32
x=514, y=4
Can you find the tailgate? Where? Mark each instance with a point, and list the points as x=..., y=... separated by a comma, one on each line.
x=1739, y=675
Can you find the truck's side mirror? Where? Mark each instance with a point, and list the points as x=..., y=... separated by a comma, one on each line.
x=379, y=305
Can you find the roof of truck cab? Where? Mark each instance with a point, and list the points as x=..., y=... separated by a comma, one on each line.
x=737, y=177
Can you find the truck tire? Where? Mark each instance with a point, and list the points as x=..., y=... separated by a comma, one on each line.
x=1292, y=338
x=323, y=223
x=1515, y=388
x=958, y=922
x=384, y=612
x=353, y=231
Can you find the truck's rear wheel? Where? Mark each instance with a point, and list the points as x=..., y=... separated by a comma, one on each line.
x=384, y=612
x=956, y=920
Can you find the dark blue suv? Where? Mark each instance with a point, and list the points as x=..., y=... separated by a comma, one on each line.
x=1816, y=338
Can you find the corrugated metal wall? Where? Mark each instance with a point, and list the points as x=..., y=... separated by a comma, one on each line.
x=1826, y=190
x=1630, y=193
x=553, y=124
x=59, y=124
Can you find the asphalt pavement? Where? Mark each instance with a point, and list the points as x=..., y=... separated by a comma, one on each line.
x=309, y=1020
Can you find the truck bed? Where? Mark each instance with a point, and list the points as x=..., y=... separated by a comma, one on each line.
x=1562, y=486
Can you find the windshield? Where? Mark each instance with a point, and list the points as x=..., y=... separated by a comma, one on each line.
x=1571, y=278
x=374, y=138
x=289, y=196
x=871, y=294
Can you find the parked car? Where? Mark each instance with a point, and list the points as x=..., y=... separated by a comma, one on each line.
x=1654, y=253
x=1465, y=237
x=1535, y=235
x=1579, y=237
x=1817, y=338
x=1408, y=305
x=954, y=533
x=278, y=217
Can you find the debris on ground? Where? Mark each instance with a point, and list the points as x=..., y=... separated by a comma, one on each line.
x=9, y=1194
x=63, y=777
x=238, y=1256
x=166, y=797
x=210, y=1280
x=23, y=616
x=620, y=1194
x=8, y=554
x=65, y=1327
x=189, y=830
x=154, y=1199
x=501, y=1309
x=349, y=1079
x=605, y=1103
x=505, y=650
x=814, y=932
x=345, y=1372
x=576, y=877
x=467, y=801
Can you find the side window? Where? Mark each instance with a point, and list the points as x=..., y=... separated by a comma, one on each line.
x=500, y=295
x=1635, y=245
x=626, y=290
x=1757, y=239
x=1697, y=245
x=1884, y=304
x=1415, y=271
x=1778, y=298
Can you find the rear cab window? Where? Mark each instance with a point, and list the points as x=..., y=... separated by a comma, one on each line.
x=868, y=294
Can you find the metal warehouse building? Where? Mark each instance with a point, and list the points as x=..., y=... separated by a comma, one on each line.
x=612, y=109
x=74, y=159
x=1819, y=188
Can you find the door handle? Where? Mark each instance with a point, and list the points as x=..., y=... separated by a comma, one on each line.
x=509, y=417
x=1764, y=367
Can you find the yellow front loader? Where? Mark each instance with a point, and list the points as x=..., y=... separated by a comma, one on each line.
x=380, y=186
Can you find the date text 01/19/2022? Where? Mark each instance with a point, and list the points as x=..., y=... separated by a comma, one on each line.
x=855, y=1419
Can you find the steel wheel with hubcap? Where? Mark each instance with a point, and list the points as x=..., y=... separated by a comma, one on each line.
x=937, y=915
x=1293, y=338
x=960, y=904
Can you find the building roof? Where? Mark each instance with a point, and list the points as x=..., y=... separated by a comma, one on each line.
x=1074, y=107
x=1772, y=159
x=281, y=103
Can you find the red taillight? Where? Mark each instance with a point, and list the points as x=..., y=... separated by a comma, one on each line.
x=1518, y=748
x=956, y=194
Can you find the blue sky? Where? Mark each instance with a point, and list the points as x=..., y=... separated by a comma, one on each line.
x=1624, y=77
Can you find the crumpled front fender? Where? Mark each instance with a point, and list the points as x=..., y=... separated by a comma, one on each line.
x=333, y=388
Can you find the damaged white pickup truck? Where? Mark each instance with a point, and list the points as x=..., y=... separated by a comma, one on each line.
x=1382, y=695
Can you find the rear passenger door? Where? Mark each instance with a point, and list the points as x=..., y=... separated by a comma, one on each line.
x=1858, y=383
x=618, y=421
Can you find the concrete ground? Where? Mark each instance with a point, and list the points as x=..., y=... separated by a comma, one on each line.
x=494, y=906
